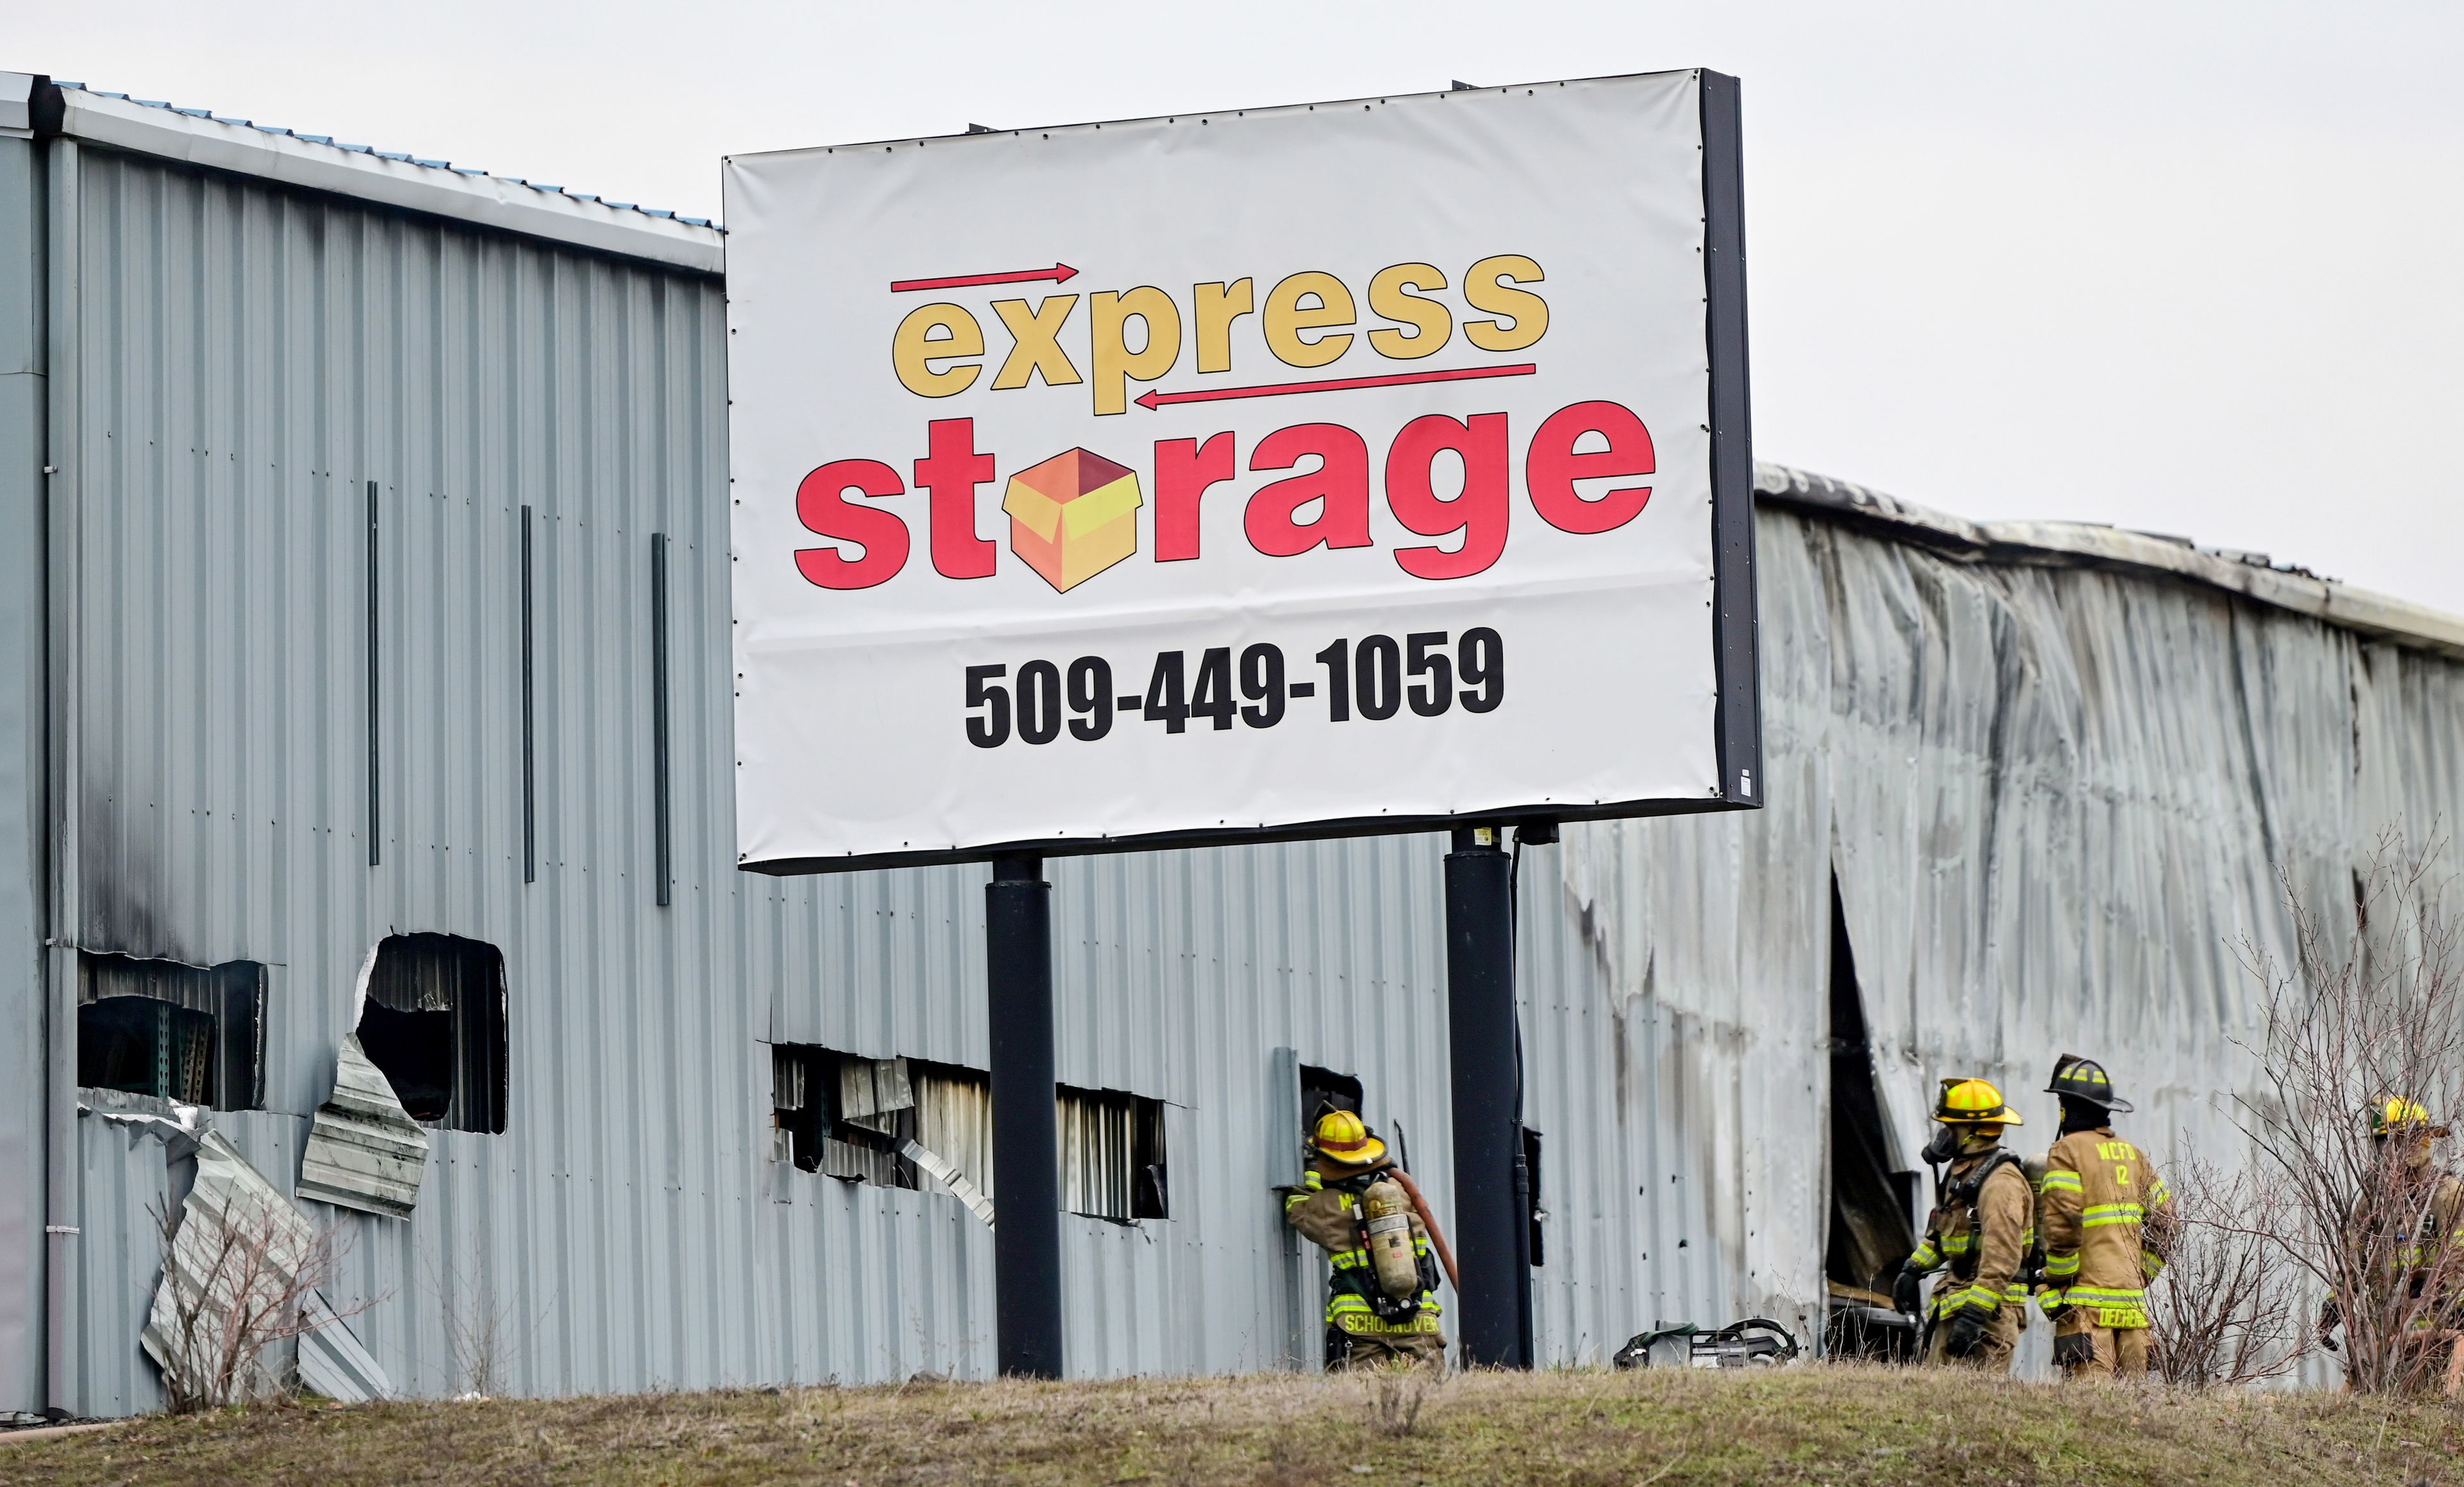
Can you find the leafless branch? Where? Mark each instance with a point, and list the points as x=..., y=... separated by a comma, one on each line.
x=235, y=1283
x=2371, y=1010
x=2227, y=1308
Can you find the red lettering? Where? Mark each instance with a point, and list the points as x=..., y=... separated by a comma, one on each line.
x=1480, y=513
x=1184, y=468
x=823, y=506
x=951, y=471
x=1341, y=480
x=1552, y=468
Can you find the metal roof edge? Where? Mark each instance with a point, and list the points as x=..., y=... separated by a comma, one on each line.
x=16, y=105
x=2084, y=544
x=499, y=202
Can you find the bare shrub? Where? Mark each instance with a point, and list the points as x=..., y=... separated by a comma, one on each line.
x=1395, y=1410
x=2358, y=1021
x=483, y=1330
x=238, y=1278
x=2227, y=1308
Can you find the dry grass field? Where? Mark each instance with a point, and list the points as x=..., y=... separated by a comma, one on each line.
x=1810, y=1425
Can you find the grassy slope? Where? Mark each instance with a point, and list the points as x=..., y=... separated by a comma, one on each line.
x=1834, y=1425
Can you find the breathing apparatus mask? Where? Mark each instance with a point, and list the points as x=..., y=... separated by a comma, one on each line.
x=1951, y=1142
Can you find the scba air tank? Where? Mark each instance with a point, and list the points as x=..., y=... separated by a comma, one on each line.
x=1386, y=1213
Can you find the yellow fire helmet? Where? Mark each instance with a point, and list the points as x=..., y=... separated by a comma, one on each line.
x=1973, y=1102
x=1342, y=1136
x=2397, y=1114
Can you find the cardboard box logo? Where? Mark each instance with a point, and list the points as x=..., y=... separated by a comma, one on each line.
x=1072, y=517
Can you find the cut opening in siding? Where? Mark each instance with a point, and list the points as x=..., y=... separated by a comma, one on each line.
x=849, y=1116
x=1112, y=1162
x=1324, y=1091
x=434, y=1023
x=1872, y=1226
x=178, y=1032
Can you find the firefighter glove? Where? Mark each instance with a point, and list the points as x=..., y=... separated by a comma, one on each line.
x=1905, y=1289
x=2051, y=1303
x=1966, y=1333
x=2073, y=1350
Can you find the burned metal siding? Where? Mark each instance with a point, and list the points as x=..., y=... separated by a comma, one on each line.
x=2054, y=796
x=2058, y=800
x=23, y=839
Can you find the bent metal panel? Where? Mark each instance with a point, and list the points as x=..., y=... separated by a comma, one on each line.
x=1335, y=467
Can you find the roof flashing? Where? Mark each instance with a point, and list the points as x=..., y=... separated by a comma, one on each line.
x=2088, y=545
x=399, y=179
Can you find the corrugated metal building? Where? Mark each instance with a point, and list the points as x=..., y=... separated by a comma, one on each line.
x=364, y=546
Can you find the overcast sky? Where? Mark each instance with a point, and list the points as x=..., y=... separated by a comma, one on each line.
x=2190, y=268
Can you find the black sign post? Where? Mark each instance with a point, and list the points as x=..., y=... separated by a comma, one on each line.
x=1026, y=1168
x=1489, y=1216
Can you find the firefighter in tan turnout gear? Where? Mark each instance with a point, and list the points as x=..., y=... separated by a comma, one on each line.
x=1381, y=1304
x=2108, y=1223
x=2411, y=1248
x=1981, y=1226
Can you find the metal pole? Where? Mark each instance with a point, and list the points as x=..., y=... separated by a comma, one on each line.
x=1027, y=1167
x=1489, y=1220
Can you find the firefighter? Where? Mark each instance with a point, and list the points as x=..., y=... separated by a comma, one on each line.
x=1382, y=1308
x=2420, y=1238
x=2108, y=1228
x=1982, y=1223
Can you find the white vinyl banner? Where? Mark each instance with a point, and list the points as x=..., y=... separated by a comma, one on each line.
x=1320, y=465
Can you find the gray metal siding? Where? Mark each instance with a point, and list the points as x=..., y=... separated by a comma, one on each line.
x=2055, y=797
x=23, y=913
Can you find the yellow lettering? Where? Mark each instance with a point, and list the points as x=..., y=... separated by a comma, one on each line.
x=1217, y=306
x=1286, y=317
x=1392, y=294
x=1114, y=363
x=915, y=347
x=1035, y=351
x=1484, y=289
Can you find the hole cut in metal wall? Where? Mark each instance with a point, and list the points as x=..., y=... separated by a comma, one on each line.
x=434, y=1023
x=178, y=1033
x=845, y=1116
x=1113, y=1160
x=1872, y=1225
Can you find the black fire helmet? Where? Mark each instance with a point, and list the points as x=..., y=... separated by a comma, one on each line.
x=2085, y=1079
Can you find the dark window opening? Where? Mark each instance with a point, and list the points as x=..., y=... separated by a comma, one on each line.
x=1535, y=1213
x=1871, y=1230
x=1112, y=1162
x=845, y=1117
x=1323, y=1089
x=851, y=1117
x=434, y=1023
x=181, y=1032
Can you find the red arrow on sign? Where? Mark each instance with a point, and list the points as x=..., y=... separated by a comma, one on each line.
x=1155, y=400
x=1058, y=273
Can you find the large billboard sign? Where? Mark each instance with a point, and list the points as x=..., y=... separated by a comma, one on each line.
x=1359, y=466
